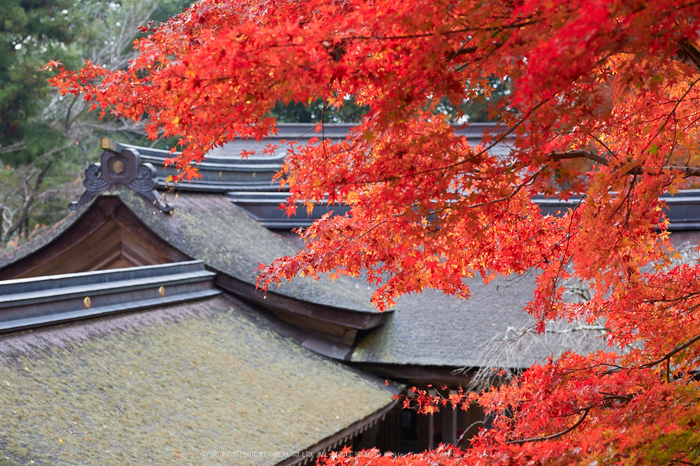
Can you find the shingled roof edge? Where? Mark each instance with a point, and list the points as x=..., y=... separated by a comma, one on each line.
x=221, y=249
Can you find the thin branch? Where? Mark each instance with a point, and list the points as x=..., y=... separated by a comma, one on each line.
x=599, y=141
x=501, y=137
x=30, y=195
x=586, y=154
x=13, y=147
x=462, y=51
x=672, y=113
x=580, y=328
x=476, y=423
x=578, y=154
x=673, y=352
x=553, y=436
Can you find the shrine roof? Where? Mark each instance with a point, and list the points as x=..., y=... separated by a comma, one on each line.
x=171, y=385
x=209, y=228
x=433, y=329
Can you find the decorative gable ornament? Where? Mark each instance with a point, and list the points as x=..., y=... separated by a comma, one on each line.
x=121, y=168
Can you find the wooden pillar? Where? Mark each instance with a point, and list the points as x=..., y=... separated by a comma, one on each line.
x=388, y=434
x=475, y=421
x=449, y=425
x=367, y=439
x=462, y=424
x=426, y=432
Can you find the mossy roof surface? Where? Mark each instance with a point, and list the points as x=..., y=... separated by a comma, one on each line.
x=210, y=228
x=166, y=386
x=432, y=328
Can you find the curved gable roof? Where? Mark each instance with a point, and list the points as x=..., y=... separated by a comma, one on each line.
x=210, y=228
x=205, y=227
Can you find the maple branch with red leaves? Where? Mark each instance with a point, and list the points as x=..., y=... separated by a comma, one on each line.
x=584, y=414
x=431, y=207
x=582, y=153
x=676, y=350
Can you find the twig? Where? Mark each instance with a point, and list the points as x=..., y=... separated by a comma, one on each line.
x=13, y=147
x=553, y=436
x=461, y=437
x=673, y=352
x=586, y=154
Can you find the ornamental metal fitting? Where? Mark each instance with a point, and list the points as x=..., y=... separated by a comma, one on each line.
x=121, y=168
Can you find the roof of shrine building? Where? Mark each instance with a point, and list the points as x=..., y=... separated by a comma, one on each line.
x=112, y=335
x=332, y=318
x=248, y=183
x=174, y=384
x=220, y=221
x=134, y=305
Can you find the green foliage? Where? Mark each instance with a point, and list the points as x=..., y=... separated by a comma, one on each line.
x=297, y=112
x=31, y=33
x=46, y=139
x=476, y=110
x=480, y=107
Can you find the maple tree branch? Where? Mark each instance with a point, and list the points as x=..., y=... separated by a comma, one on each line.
x=688, y=53
x=501, y=137
x=452, y=32
x=615, y=367
x=612, y=397
x=672, y=113
x=473, y=424
x=510, y=196
x=599, y=141
x=686, y=297
x=578, y=154
x=587, y=154
x=376, y=225
x=462, y=51
x=689, y=171
x=673, y=352
x=553, y=436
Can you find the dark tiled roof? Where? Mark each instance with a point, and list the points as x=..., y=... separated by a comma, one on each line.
x=225, y=170
x=166, y=385
x=209, y=228
x=264, y=207
x=433, y=329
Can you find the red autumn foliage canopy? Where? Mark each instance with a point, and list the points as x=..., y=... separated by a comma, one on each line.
x=605, y=106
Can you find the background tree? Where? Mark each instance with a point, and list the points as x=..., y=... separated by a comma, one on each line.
x=45, y=138
x=604, y=109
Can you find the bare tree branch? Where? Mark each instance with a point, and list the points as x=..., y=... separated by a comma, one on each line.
x=18, y=146
x=31, y=189
x=30, y=195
